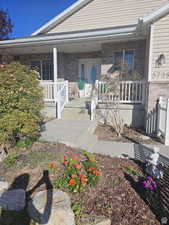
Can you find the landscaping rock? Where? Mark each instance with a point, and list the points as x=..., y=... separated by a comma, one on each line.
x=3, y=185
x=123, y=156
x=13, y=200
x=143, y=137
x=52, y=208
x=95, y=220
x=3, y=153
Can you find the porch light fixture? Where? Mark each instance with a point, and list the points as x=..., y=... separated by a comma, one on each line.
x=161, y=60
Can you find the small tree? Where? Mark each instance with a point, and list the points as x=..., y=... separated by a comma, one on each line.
x=20, y=103
x=110, y=97
x=5, y=25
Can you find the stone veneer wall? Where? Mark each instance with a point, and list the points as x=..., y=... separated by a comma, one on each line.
x=68, y=63
x=140, y=54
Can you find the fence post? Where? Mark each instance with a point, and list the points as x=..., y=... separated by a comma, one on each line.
x=58, y=113
x=167, y=124
x=159, y=104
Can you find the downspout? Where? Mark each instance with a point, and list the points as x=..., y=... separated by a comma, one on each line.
x=149, y=72
x=150, y=63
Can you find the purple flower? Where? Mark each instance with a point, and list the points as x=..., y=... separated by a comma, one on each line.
x=150, y=178
x=149, y=184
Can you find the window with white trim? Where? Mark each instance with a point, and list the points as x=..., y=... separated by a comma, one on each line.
x=124, y=58
x=44, y=67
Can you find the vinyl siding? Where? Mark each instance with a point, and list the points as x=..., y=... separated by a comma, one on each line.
x=108, y=13
x=161, y=45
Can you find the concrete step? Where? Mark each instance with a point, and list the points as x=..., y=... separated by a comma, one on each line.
x=78, y=103
x=75, y=114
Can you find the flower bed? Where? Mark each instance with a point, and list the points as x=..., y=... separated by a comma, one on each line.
x=118, y=194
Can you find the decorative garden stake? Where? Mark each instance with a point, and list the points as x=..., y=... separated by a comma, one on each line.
x=164, y=220
x=152, y=163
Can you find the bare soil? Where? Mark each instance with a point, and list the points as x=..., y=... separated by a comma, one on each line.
x=130, y=135
x=117, y=196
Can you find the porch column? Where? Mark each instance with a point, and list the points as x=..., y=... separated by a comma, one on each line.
x=55, y=65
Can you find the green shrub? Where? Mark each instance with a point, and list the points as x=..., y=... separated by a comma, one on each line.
x=11, y=160
x=25, y=143
x=20, y=103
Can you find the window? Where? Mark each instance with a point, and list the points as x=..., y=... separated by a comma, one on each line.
x=47, y=70
x=44, y=67
x=125, y=57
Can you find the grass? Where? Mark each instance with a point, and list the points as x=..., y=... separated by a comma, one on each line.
x=77, y=208
x=39, y=158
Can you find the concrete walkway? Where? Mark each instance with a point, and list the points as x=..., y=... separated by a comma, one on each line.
x=75, y=133
x=79, y=134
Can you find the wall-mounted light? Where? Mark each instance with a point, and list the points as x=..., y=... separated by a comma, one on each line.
x=161, y=60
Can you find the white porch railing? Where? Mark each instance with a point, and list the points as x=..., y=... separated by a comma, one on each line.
x=61, y=98
x=129, y=92
x=48, y=90
x=56, y=92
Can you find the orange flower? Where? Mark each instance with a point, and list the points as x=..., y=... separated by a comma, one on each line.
x=82, y=175
x=72, y=182
x=77, y=166
x=52, y=165
x=65, y=163
x=83, y=180
x=75, y=158
x=92, y=169
x=74, y=175
x=97, y=172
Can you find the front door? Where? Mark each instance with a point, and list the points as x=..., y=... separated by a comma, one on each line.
x=89, y=69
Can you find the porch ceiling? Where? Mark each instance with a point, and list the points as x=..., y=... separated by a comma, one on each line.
x=74, y=47
x=67, y=48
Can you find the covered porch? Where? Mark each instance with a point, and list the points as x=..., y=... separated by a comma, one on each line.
x=60, y=63
x=87, y=62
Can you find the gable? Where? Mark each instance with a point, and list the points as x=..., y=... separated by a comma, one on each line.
x=100, y=14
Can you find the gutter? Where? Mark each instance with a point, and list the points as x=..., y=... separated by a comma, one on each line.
x=155, y=15
x=89, y=35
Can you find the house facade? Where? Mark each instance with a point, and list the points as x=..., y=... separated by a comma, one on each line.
x=88, y=38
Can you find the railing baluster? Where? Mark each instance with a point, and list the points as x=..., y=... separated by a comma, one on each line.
x=136, y=92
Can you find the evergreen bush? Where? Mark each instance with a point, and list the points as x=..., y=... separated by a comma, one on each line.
x=21, y=103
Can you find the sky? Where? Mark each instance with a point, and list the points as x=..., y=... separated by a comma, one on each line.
x=28, y=15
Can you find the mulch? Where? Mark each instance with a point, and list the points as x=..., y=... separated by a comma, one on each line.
x=117, y=196
x=130, y=135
